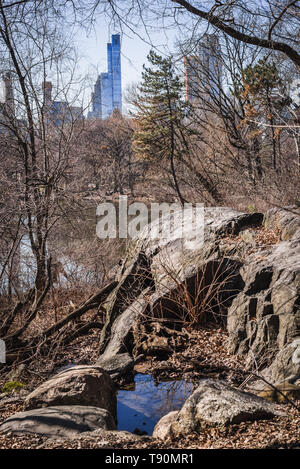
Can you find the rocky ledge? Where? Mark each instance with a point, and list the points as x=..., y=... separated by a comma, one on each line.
x=243, y=275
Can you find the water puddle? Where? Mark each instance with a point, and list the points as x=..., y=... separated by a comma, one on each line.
x=142, y=406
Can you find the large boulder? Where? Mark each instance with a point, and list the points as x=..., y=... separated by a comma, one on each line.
x=117, y=365
x=242, y=272
x=156, y=274
x=59, y=421
x=285, y=368
x=163, y=428
x=214, y=403
x=265, y=316
x=121, y=331
x=80, y=385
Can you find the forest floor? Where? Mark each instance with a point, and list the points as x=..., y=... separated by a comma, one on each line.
x=204, y=356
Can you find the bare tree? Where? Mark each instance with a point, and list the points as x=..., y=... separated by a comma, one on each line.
x=37, y=133
x=244, y=118
x=105, y=150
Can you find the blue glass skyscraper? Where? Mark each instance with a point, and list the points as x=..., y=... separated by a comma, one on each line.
x=107, y=94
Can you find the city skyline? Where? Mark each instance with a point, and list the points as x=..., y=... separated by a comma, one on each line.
x=107, y=94
x=135, y=46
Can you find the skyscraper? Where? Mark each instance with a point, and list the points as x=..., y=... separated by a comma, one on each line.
x=203, y=70
x=59, y=113
x=7, y=95
x=107, y=94
x=7, y=105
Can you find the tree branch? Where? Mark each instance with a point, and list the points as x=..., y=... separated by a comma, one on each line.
x=254, y=40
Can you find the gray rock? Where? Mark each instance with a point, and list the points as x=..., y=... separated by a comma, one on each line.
x=79, y=385
x=265, y=315
x=59, y=421
x=216, y=403
x=104, y=438
x=121, y=331
x=117, y=365
x=108, y=436
x=286, y=221
x=257, y=285
x=163, y=428
x=133, y=277
x=152, y=263
x=284, y=368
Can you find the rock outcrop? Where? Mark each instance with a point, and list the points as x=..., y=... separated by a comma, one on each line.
x=77, y=386
x=214, y=403
x=242, y=272
x=117, y=365
x=59, y=421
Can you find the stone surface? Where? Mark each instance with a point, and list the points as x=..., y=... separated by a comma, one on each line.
x=104, y=439
x=109, y=435
x=117, y=365
x=264, y=317
x=153, y=270
x=163, y=428
x=254, y=286
x=285, y=368
x=79, y=385
x=286, y=221
x=121, y=330
x=216, y=403
x=133, y=278
x=59, y=421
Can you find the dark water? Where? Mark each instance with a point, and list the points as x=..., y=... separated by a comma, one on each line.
x=143, y=406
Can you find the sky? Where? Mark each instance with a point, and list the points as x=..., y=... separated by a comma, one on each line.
x=135, y=46
x=134, y=50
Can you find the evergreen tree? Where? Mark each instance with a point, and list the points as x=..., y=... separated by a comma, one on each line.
x=160, y=113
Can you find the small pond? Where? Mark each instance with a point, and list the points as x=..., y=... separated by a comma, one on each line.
x=145, y=402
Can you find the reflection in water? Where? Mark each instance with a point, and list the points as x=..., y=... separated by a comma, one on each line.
x=142, y=407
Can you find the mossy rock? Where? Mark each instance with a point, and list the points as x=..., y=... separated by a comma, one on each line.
x=12, y=386
x=282, y=391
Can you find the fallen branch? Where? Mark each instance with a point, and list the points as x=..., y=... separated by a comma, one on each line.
x=24, y=349
x=82, y=331
x=17, y=309
x=91, y=303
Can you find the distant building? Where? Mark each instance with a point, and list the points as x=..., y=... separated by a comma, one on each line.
x=7, y=107
x=203, y=71
x=191, y=77
x=59, y=112
x=107, y=94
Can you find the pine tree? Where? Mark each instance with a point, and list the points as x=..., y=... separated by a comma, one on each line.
x=160, y=113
